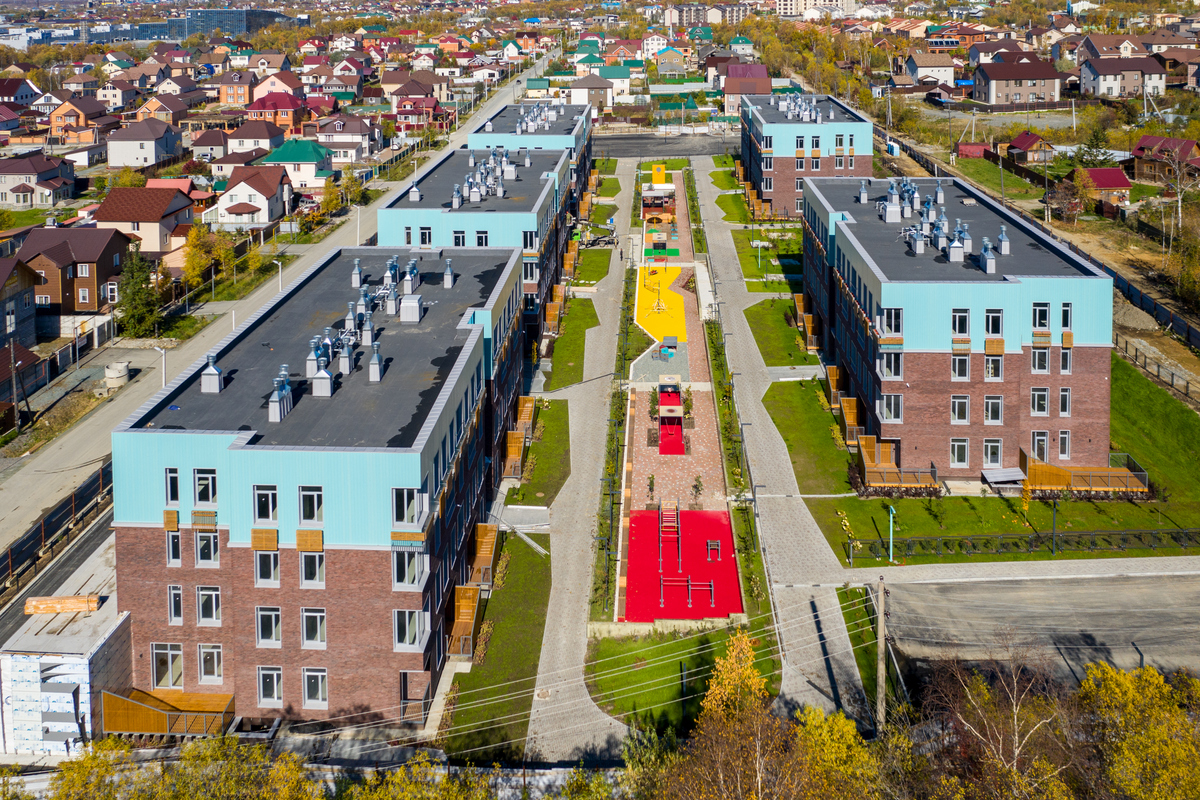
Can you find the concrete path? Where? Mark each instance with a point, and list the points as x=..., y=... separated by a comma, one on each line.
x=54, y=470
x=565, y=726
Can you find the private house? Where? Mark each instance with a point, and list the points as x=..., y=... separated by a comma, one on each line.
x=1028, y=148
x=1123, y=77
x=619, y=77
x=670, y=62
x=254, y=196
x=592, y=90
x=85, y=84
x=46, y=103
x=1109, y=184
x=930, y=69
x=278, y=108
x=224, y=166
x=744, y=79
x=146, y=215
x=165, y=108
x=18, y=285
x=741, y=46
x=81, y=120
x=144, y=143
x=79, y=268
x=117, y=96
x=1001, y=83
x=264, y=64
x=279, y=83
x=256, y=134
x=35, y=181
x=236, y=87
x=1157, y=158
x=350, y=138
x=307, y=163
x=1104, y=46
x=176, y=86
x=210, y=144
x=985, y=52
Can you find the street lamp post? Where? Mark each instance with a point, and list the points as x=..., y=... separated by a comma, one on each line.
x=891, y=528
x=279, y=264
x=163, y=353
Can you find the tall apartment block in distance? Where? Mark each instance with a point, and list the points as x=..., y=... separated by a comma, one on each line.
x=789, y=137
x=300, y=517
x=960, y=340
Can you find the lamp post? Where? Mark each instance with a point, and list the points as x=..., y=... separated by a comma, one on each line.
x=1054, y=529
x=13, y=365
x=163, y=353
x=891, y=528
x=279, y=264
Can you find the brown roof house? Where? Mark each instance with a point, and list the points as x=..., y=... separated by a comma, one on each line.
x=165, y=108
x=237, y=87
x=254, y=196
x=18, y=284
x=255, y=134
x=1023, y=82
x=1028, y=148
x=82, y=120
x=210, y=144
x=78, y=267
x=149, y=215
x=743, y=79
x=594, y=90
x=36, y=181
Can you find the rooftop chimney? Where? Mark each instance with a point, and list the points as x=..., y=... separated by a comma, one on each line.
x=356, y=274
x=375, y=367
x=487, y=126
x=322, y=382
x=987, y=257
x=966, y=238
x=448, y=276
x=211, y=379
x=351, y=321
x=364, y=302
x=456, y=198
x=471, y=159
x=954, y=251
x=939, y=195
x=393, y=301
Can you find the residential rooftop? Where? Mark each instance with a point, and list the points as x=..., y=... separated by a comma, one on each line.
x=774, y=109
x=1032, y=252
x=520, y=193
x=418, y=357
x=552, y=120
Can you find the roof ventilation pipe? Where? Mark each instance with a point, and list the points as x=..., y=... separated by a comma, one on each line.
x=326, y=344
x=350, y=323
x=345, y=358
x=939, y=195
x=375, y=367
x=368, y=330
x=456, y=198
x=393, y=301
x=356, y=274
x=322, y=382
x=448, y=276
x=414, y=194
x=314, y=352
x=280, y=402
x=471, y=159
x=364, y=302
x=211, y=379
x=487, y=126
x=862, y=192
x=966, y=238
x=499, y=187
x=916, y=240
x=954, y=251
x=987, y=257
x=1005, y=244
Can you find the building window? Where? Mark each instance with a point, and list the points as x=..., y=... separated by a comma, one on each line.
x=408, y=569
x=893, y=408
x=316, y=688
x=206, y=486
x=529, y=271
x=1041, y=444
x=799, y=186
x=208, y=550
x=768, y=163
x=893, y=322
x=168, y=665
x=481, y=238
x=1064, y=402
x=270, y=687
x=799, y=168
x=174, y=605
x=212, y=669
x=266, y=569
x=839, y=162
x=426, y=236
x=958, y=452
x=839, y=141
x=174, y=548
x=1066, y=316
x=893, y=366
x=767, y=142
x=960, y=322
x=799, y=142
x=172, y=476
x=408, y=235
x=312, y=505
x=460, y=238
x=410, y=628
x=960, y=368
x=312, y=570
x=266, y=504
x=768, y=184
x=852, y=140
x=84, y=270
x=529, y=240
x=816, y=143
x=314, y=628
x=83, y=296
x=992, y=452
x=993, y=322
x=136, y=226
x=1041, y=316
x=1064, y=445
x=960, y=409
x=993, y=410
x=1041, y=361
x=208, y=605
x=406, y=506
x=1039, y=402
x=850, y=162
x=993, y=368
x=269, y=627
x=816, y=164
x=1064, y=364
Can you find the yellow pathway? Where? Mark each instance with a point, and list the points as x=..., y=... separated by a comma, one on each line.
x=668, y=318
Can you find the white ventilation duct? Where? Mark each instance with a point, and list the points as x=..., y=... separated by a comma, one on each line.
x=414, y=194
x=280, y=402
x=356, y=275
x=411, y=309
x=375, y=367
x=322, y=382
x=211, y=379
x=368, y=330
x=448, y=276
x=314, y=353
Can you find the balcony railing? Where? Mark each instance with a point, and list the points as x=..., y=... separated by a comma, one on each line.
x=167, y=712
x=416, y=711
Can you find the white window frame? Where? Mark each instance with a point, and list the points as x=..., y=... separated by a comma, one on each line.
x=891, y=408
x=210, y=484
x=960, y=322
x=269, y=493
x=275, y=700
x=996, y=360
x=960, y=368
x=406, y=619
x=1033, y=439
x=218, y=661
x=399, y=557
x=174, y=655
x=404, y=498
x=306, y=615
x=1064, y=400
x=174, y=604
x=174, y=548
x=955, y=461
x=998, y=444
x=996, y=402
x=1039, y=361
x=895, y=371
x=1039, y=396
x=321, y=677
x=318, y=517
x=263, y=558
x=1041, y=317
x=891, y=321
x=214, y=594
x=1067, y=316
x=271, y=614
x=993, y=323
x=1064, y=361
x=317, y=558
x=1064, y=445
x=213, y=540
x=768, y=184
x=960, y=409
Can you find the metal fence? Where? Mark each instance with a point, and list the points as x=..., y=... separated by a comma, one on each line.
x=19, y=565
x=1179, y=383
x=1047, y=542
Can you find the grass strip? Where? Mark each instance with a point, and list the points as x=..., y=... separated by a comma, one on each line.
x=734, y=206
x=777, y=340
x=723, y=179
x=592, y=266
x=806, y=427
x=550, y=452
x=609, y=187
x=567, y=360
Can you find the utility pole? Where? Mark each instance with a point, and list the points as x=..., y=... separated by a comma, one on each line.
x=12, y=374
x=880, y=662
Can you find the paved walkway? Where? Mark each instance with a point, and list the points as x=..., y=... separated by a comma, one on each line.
x=565, y=726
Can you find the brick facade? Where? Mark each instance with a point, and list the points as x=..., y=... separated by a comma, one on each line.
x=786, y=192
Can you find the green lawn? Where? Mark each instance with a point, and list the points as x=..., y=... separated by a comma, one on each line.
x=1141, y=191
x=492, y=709
x=183, y=326
x=734, y=206
x=601, y=213
x=592, y=266
x=748, y=256
x=795, y=409
x=552, y=454
x=723, y=179
x=37, y=216
x=672, y=164
x=723, y=162
x=609, y=187
x=775, y=338
x=567, y=360
x=860, y=624
x=643, y=675
x=988, y=174
x=776, y=286
x=606, y=166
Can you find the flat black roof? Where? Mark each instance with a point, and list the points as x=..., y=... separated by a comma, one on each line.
x=520, y=195
x=565, y=119
x=418, y=358
x=1032, y=253
x=776, y=114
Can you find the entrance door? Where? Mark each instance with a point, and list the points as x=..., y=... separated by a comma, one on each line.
x=1041, y=444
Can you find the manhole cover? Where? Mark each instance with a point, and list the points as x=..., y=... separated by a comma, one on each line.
x=544, y=693
x=541, y=494
x=570, y=363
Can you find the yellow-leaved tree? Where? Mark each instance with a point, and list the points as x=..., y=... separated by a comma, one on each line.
x=197, y=255
x=1145, y=730
x=837, y=760
x=420, y=779
x=736, y=683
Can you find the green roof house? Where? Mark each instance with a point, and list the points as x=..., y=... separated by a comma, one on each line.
x=702, y=33
x=741, y=45
x=308, y=164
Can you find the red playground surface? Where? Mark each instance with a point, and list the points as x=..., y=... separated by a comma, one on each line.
x=715, y=591
x=670, y=437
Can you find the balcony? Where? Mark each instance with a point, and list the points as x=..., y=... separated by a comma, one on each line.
x=204, y=521
x=526, y=406
x=877, y=464
x=467, y=619
x=415, y=711
x=835, y=384
x=483, y=559
x=164, y=712
x=960, y=344
x=1123, y=474
x=514, y=455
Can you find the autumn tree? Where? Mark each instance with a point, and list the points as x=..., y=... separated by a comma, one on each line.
x=137, y=294
x=197, y=255
x=7, y=219
x=420, y=779
x=331, y=198
x=223, y=251
x=128, y=178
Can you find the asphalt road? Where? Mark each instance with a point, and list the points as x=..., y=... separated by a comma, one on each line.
x=643, y=145
x=1070, y=622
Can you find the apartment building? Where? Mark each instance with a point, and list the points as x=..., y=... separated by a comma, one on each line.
x=313, y=556
x=963, y=339
x=1122, y=77
x=787, y=138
